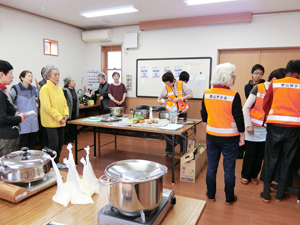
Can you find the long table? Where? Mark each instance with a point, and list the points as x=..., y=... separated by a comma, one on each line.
x=39, y=209
x=115, y=129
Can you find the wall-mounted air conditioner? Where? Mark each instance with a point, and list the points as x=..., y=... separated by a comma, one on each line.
x=97, y=35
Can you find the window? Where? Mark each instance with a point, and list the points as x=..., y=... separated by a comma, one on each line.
x=111, y=61
x=50, y=47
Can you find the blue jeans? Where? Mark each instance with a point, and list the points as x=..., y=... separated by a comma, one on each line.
x=229, y=151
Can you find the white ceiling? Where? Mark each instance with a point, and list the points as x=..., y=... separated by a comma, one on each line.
x=67, y=11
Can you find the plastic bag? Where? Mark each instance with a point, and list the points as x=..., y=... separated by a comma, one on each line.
x=89, y=183
x=62, y=196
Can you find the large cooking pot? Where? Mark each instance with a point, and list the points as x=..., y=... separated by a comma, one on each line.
x=162, y=112
x=117, y=111
x=25, y=165
x=143, y=112
x=134, y=185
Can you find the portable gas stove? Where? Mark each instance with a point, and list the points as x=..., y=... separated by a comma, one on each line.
x=109, y=215
x=15, y=192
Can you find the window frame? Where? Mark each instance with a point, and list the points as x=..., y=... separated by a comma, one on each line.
x=104, y=58
x=52, y=44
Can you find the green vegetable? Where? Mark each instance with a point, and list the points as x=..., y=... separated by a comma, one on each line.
x=135, y=120
x=140, y=117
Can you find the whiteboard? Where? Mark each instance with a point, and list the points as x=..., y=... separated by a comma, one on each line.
x=149, y=74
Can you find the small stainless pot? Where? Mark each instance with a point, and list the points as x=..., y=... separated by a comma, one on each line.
x=117, y=111
x=24, y=166
x=143, y=112
x=165, y=114
x=134, y=185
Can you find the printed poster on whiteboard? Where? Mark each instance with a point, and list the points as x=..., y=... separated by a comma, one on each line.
x=155, y=72
x=92, y=78
x=178, y=70
x=144, y=72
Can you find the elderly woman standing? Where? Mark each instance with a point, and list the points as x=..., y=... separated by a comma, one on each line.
x=224, y=123
x=73, y=104
x=54, y=110
x=24, y=96
x=9, y=118
x=103, y=95
x=116, y=92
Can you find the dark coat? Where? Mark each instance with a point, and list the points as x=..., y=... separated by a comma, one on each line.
x=102, y=91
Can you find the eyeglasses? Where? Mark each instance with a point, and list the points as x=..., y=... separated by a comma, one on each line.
x=233, y=75
x=258, y=74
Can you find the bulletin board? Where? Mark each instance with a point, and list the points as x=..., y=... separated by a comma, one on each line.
x=149, y=74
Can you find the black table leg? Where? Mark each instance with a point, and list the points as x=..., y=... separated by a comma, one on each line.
x=76, y=147
x=173, y=159
x=99, y=153
x=95, y=152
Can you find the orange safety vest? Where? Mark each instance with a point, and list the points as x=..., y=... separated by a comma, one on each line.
x=181, y=105
x=218, y=104
x=257, y=113
x=285, y=108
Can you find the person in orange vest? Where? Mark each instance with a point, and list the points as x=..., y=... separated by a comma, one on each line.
x=177, y=92
x=257, y=72
x=223, y=121
x=255, y=135
x=281, y=104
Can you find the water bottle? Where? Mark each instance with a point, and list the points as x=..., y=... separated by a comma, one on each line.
x=173, y=114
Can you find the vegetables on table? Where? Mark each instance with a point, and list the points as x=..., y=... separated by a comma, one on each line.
x=135, y=120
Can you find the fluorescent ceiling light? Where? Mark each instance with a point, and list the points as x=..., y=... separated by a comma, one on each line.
x=198, y=2
x=109, y=11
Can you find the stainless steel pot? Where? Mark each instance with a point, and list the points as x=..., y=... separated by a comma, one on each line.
x=117, y=111
x=143, y=112
x=25, y=166
x=134, y=185
x=165, y=114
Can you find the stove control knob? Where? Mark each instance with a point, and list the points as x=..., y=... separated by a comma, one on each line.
x=173, y=201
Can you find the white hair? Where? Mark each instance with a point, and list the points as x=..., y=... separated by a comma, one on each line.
x=46, y=72
x=223, y=74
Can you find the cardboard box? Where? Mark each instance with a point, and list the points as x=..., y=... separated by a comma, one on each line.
x=193, y=142
x=191, y=164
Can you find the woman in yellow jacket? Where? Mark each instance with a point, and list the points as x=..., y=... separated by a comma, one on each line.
x=54, y=110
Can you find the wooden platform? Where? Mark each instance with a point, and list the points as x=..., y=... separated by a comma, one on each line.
x=40, y=209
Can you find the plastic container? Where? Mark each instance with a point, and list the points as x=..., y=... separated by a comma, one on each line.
x=151, y=114
x=173, y=114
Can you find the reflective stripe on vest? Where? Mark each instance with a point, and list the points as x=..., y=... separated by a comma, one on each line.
x=221, y=130
x=218, y=103
x=257, y=113
x=171, y=96
x=285, y=107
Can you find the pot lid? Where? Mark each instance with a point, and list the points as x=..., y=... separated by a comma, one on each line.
x=24, y=159
x=133, y=170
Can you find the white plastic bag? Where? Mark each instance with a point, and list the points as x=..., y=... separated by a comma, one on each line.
x=62, y=196
x=77, y=196
x=89, y=182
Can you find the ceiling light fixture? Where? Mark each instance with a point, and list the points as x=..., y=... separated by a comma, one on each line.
x=198, y=2
x=109, y=11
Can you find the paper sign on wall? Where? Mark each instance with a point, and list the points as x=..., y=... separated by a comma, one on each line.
x=92, y=78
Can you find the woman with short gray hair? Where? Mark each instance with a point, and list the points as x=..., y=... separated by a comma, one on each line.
x=54, y=110
x=102, y=91
x=73, y=104
x=223, y=121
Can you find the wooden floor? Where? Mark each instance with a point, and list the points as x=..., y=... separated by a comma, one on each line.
x=249, y=209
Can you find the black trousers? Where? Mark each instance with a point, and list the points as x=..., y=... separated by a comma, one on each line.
x=56, y=140
x=281, y=148
x=32, y=137
x=70, y=131
x=253, y=158
x=177, y=140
